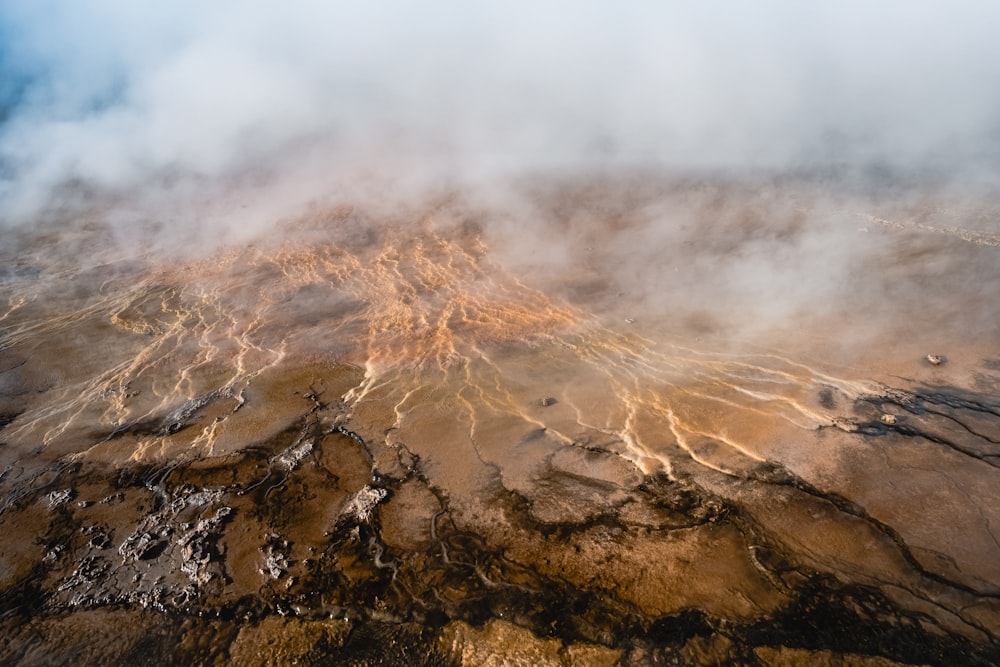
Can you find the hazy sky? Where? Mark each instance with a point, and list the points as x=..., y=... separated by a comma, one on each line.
x=121, y=94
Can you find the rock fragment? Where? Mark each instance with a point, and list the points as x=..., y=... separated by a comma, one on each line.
x=57, y=498
x=361, y=504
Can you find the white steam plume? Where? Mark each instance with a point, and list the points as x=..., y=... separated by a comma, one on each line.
x=167, y=99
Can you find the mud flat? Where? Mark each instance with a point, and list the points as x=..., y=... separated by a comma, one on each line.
x=410, y=448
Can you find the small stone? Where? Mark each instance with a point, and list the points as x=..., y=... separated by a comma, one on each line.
x=57, y=498
x=276, y=563
x=291, y=457
x=362, y=503
x=547, y=401
x=935, y=359
x=888, y=420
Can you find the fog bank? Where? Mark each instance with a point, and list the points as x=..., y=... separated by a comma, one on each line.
x=195, y=110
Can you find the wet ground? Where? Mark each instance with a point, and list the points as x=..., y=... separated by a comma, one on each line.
x=634, y=423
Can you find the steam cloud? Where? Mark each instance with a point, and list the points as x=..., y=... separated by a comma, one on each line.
x=218, y=119
x=167, y=99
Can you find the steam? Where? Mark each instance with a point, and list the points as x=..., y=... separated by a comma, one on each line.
x=170, y=99
x=215, y=120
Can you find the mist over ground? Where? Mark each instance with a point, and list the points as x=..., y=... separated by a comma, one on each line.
x=717, y=160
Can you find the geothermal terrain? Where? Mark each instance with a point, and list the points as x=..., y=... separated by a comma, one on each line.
x=603, y=419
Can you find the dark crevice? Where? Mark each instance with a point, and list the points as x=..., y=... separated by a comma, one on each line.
x=846, y=506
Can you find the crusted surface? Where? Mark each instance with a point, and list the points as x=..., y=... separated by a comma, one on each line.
x=394, y=451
